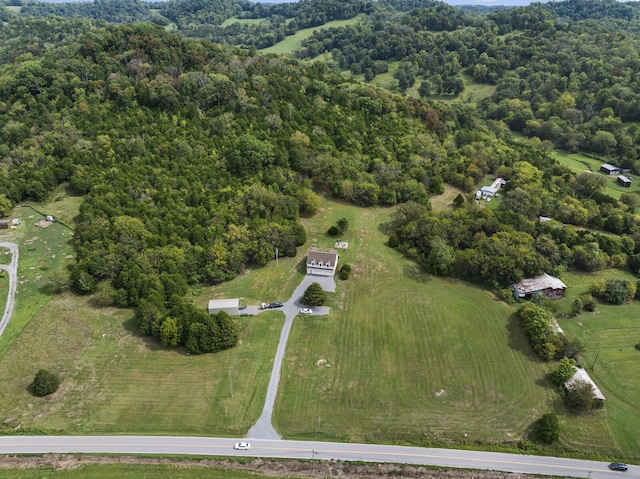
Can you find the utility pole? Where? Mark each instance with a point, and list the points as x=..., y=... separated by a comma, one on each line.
x=276, y=256
x=230, y=382
x=594, y=361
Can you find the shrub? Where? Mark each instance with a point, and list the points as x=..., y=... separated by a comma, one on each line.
x=577, y=307
x=547, y=429
x=589, y=302
x=394, y=241
x=580, y=397
x=45, y=383
x=333, y=231
x=345, y=271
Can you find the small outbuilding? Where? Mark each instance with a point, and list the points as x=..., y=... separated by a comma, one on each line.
x=608, y=169
x=546, y=284
x=322, y=263
x=583, y=376
x=229, y=306
x=623, y=181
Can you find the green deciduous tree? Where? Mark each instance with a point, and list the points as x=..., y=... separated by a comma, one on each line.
x=314, y=295
x=564, y=371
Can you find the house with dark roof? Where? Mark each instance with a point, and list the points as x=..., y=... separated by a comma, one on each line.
x=322, y=263
x=546, y=284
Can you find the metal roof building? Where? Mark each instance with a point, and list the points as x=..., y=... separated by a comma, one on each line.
x=546, y=284
x=230, y=306
x=582, y=375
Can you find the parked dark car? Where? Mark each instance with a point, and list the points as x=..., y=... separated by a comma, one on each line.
x=277, y=304
x=618, y=466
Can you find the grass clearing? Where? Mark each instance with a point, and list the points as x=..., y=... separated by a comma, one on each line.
x=445, y=200
x=580, y=163
x=242, y=21
x=409, y=357
x=609, y=335
x=292, y=43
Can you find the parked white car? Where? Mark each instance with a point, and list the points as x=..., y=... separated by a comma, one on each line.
x=242, y=446
x=306, y=311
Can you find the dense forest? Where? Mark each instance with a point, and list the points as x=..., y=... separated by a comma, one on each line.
x=195, y=158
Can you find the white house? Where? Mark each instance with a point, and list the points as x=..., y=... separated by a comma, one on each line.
x=230, y=306
x=487, y=192
x=322, y=263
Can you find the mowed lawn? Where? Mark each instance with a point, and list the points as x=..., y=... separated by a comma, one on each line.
x=609, y=335
x=404, y=356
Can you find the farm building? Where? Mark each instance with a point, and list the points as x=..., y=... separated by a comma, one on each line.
x=488, y=192
x=4, y=224
x=548, y=285
x=608, y=169
x=582, y=375
x=322, y=263
x=230, y=306
x=623, y=181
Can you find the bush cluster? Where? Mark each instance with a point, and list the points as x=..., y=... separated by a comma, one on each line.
x=45, y=383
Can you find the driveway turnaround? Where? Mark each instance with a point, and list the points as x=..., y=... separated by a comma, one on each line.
x=12, y=269
x=263, y=428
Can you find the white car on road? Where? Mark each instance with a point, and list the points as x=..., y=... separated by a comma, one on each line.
x=242, y=446
x=306, y=311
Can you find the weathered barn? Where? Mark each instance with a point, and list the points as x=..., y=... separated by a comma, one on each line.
x=548, y=285
x=582, y=375
x=608, y=169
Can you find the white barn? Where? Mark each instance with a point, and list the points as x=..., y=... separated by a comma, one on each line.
x=230, y=306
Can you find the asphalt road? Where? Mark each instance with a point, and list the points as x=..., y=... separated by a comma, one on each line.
x=12, y=269
x=325, y=451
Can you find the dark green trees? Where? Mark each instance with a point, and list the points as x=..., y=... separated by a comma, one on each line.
x=45, y=383
x=547, y=429
x=314, y=295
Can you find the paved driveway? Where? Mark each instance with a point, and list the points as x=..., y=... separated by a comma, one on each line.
x=263, y=429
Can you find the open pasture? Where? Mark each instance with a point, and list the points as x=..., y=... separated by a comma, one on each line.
x=292, y=43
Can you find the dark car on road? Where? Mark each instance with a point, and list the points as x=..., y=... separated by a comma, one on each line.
x=277, y=304
x=618, y=466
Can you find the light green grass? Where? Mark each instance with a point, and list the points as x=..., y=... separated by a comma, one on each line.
x=609, y=335
x=43, y=251
x=444, y=201
x=130, y=471
x=580, y=163
x=409, y=357
x=474, y=92
x=13, y=9
x=293, y=42
x=243, y=21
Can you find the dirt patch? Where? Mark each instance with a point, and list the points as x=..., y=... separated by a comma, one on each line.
x=43, y=223
x=300, y=469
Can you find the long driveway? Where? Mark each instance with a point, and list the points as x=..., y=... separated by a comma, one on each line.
x=263, y=428
x=12, y=269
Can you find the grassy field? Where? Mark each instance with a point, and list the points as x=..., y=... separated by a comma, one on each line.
x=408, y=357
x=130, y=471
x=445, y=200
x=610, y=335
x=580, y=163
x=292, y=43
x=243, y=21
